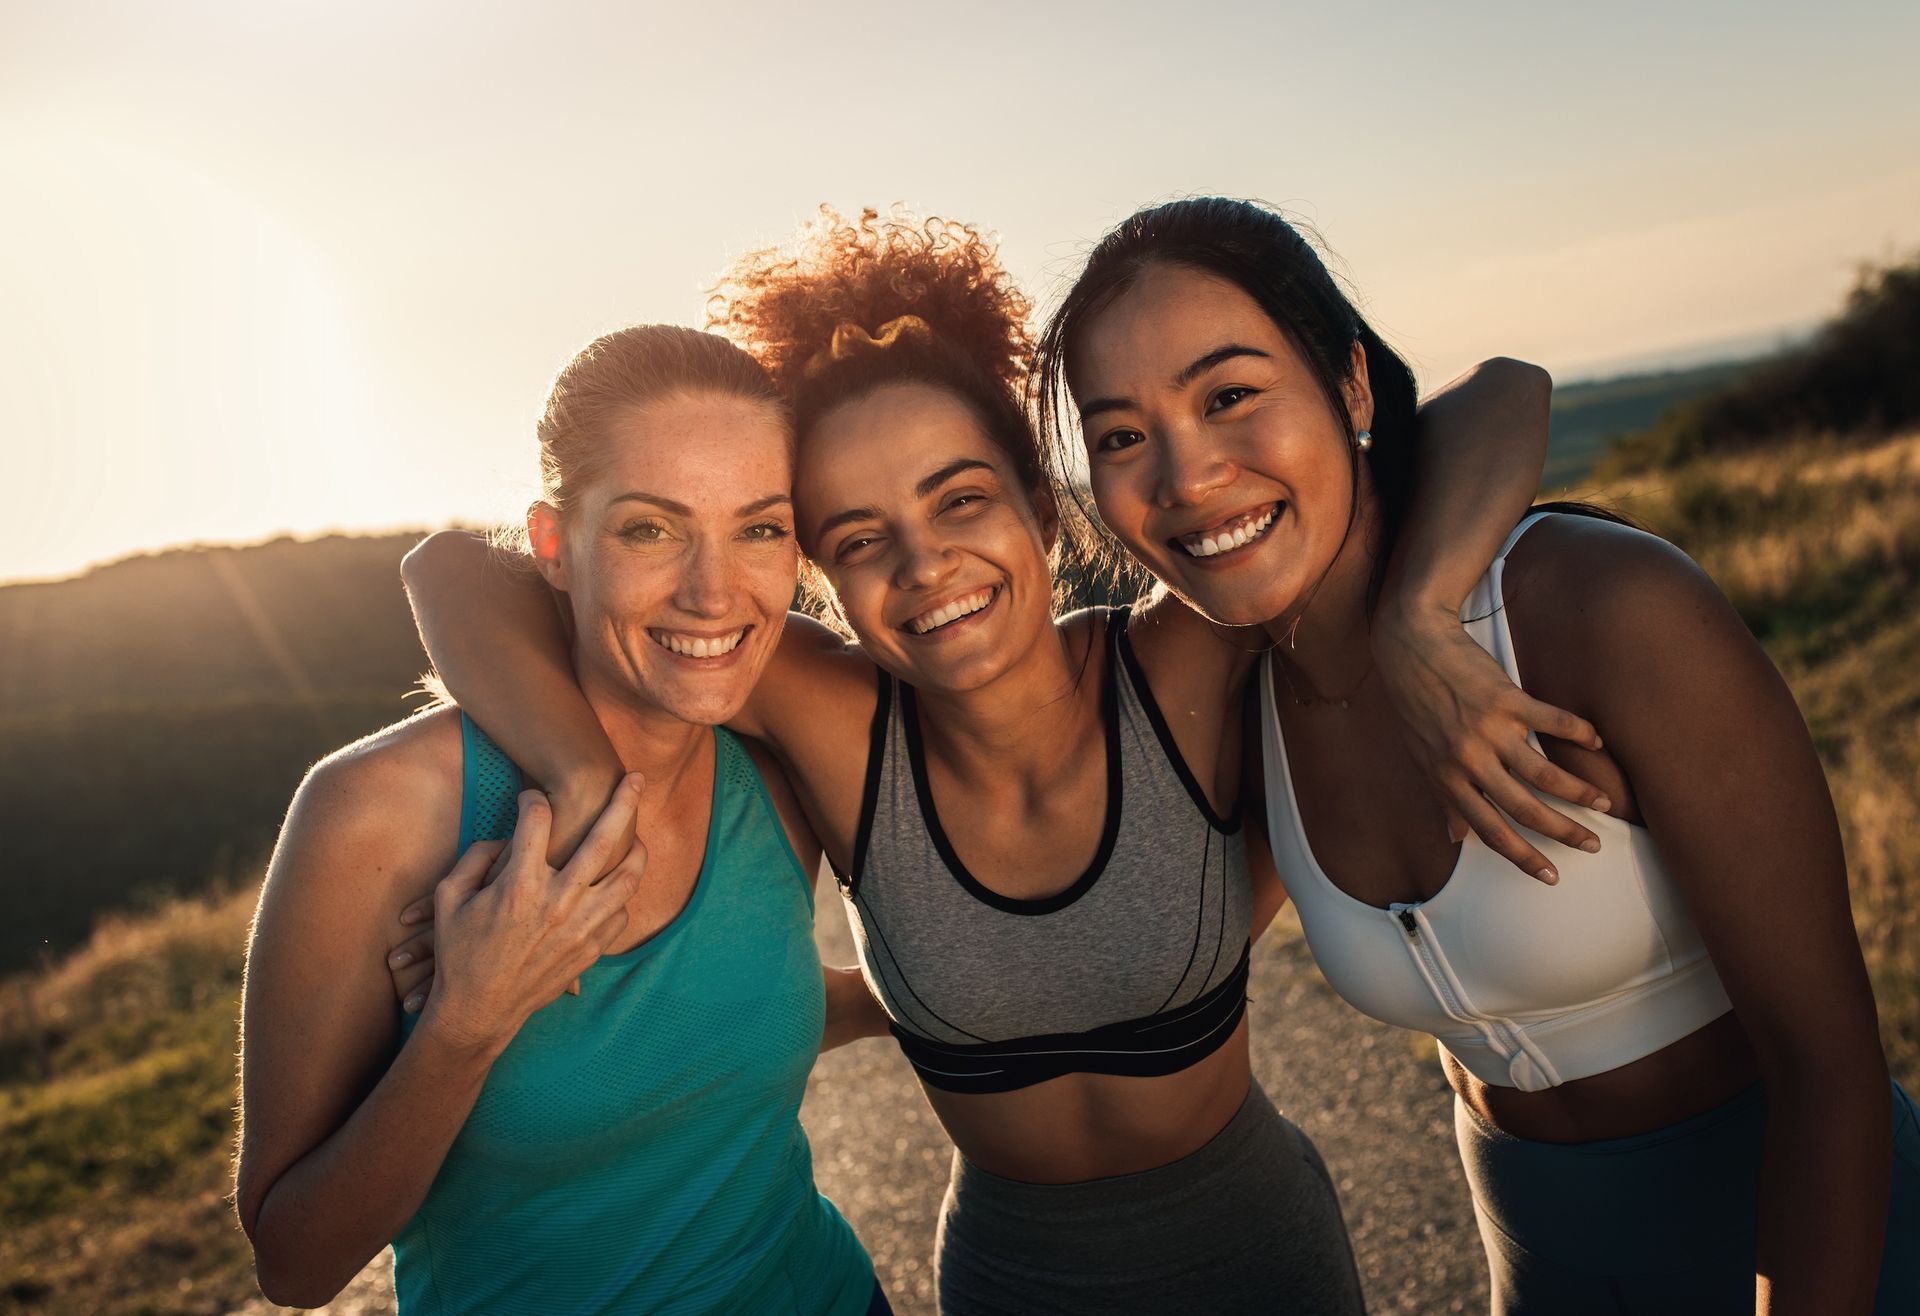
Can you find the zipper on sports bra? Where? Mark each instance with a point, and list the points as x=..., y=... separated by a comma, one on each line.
x=1508, y=1040
x=1427, y=955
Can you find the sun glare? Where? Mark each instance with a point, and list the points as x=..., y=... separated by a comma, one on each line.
x=182, y=360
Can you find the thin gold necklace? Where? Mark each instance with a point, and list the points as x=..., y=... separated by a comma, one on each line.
x=1311, y=700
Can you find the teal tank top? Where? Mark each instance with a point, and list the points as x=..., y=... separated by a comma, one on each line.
x=637, y=1148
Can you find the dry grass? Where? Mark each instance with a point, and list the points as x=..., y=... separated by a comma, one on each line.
x=116, y=1108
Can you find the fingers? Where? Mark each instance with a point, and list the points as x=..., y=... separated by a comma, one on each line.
x=457, y=886
x=499, y=869
x=632, y=867
x=607, y=931
x=413, y=982
x=617, y=888
x=577, y=802
x=1527, y=809
x=1549, y=778
x=420, y=911
x=611, y=830
x=600, y=935
x=410, y=965
x=1551, y=720
x=1501, y=838
x=417, y=949
x=600, y=940
x=1457, y=829
x=528, y=848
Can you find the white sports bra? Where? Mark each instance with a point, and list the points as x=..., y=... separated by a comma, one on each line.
x=1529, y=986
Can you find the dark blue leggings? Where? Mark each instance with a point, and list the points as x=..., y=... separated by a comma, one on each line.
x=1662, y=1222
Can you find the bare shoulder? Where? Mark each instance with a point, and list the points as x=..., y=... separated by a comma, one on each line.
x=1080, y=627
x=1621, y=626
x=1186, y=658
x=379, y=818
x=1594, y=578
x=402, y=768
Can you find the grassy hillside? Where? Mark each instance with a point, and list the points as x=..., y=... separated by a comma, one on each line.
x=116, y=1109
x=1859, y=376
x=158, y=713
x=1591, y=415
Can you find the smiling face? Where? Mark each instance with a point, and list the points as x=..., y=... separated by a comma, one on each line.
x=936, y=551
x=1211, y=450
x=678, y=556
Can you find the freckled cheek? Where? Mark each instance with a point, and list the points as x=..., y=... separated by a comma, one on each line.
x=771, y=587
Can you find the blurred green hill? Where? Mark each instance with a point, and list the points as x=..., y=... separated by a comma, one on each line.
x=1588, y=417
x=158, y=712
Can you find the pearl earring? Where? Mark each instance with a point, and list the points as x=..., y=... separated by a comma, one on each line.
x=1364, y=440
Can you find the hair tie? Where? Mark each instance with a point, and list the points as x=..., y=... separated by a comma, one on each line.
x=850, y=340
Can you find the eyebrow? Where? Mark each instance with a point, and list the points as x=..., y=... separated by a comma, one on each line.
x=672, y=508
x=1192, y=371
x=931, y=482
x=926, y=485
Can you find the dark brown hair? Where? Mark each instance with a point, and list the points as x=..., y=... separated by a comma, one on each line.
x=1255, y=248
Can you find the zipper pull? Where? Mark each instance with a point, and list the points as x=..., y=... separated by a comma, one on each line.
x=1406, y=921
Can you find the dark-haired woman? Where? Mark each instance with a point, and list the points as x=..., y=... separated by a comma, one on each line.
x=1034, y=818
x=1671, y=1093
x=635, y=1147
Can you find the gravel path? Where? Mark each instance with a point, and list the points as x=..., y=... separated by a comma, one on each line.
x=1370, y=1096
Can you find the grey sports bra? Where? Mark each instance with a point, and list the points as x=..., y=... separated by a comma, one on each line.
x=1138, y=967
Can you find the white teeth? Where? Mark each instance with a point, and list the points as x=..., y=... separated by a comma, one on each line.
x=1219, y=541
x=953, y=611
x=698, y=646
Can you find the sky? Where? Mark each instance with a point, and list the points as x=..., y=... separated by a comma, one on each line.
x=294, y=267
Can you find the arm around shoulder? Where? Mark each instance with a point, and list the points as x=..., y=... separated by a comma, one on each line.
x=815, y=678
x=494, y=633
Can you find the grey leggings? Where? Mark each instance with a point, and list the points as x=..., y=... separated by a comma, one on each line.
x=1248, y=1223
x=1658, y=1223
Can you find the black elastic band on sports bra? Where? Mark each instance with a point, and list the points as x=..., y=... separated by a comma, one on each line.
x=870, y=792
x=1109, y=828
x=1164, y=734
x=1159, y=1044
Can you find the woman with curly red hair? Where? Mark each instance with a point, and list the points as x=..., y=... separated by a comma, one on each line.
x=1035, y=819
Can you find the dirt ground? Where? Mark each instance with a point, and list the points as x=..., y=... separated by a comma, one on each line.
x=1371, y=1097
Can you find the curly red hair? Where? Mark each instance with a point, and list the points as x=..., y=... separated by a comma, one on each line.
x=784, y=304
